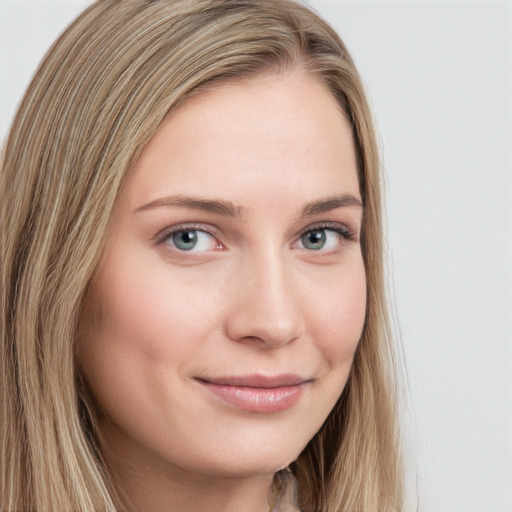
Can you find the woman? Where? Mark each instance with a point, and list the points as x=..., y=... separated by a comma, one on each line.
x=193, y=305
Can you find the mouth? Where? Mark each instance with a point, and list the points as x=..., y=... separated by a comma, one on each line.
x=257, y=393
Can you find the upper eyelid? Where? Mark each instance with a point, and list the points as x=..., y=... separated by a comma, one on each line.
x=178, y=228
x=325, y=225
x=349, y=228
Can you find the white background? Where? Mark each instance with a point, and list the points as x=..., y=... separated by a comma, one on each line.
x=439, y=76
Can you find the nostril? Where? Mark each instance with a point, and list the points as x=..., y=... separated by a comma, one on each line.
x=267, y=329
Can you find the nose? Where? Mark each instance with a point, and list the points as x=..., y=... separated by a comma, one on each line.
x=265, y=311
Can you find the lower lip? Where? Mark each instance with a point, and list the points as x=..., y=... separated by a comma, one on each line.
x=262, y=400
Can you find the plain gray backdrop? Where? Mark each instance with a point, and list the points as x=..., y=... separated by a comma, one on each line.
x=439, y=78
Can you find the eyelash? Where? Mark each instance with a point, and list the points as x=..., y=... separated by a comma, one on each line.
x=346, y=232
x=164, y=235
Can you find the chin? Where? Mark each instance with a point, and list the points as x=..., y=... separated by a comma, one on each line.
x=266, y=461
x=243, y=462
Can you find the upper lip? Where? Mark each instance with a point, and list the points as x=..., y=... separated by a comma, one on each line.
x=257, y=380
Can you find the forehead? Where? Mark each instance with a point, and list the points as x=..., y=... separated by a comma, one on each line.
x=285, y=131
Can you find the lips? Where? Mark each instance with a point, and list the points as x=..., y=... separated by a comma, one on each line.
x=257, y=393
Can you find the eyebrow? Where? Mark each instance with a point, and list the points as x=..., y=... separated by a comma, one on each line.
x=331, y=203
x=219, y=206
x=229, y=209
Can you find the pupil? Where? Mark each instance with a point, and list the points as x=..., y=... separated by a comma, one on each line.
x=185, y=240
x=314, y=239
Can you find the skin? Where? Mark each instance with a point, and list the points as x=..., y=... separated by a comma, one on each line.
x=251, y=298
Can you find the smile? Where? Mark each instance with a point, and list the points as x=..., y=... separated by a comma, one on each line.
x=257, y=393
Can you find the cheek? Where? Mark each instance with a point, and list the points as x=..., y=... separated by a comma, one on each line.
x=140, y=332
x=338, y=317
x=152, y=313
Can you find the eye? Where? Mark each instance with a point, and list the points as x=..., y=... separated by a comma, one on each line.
x=324, y=238
x=314, y=240
x=191, y=240
x=319, y=239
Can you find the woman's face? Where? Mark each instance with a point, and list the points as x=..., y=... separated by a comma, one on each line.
x=225, y=315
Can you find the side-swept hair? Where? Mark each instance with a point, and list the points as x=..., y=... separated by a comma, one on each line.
x=96, y=100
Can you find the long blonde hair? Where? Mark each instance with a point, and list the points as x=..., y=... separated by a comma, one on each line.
x=97, y=98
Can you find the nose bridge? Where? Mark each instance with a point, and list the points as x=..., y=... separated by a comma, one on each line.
x=266, y=308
